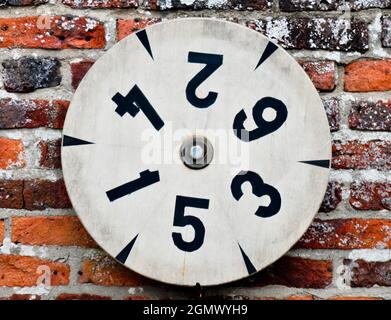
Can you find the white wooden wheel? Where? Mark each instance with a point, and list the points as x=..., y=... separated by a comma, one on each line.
x=196, y=151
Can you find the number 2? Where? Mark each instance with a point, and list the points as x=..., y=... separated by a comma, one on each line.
x=213, y=62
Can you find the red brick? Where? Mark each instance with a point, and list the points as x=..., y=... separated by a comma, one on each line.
x=369, y=274
x=52, y=32
x=16, y=114
x=84, y=296
x=105, y=271
x=1, y=231
x=11, y=194
x=293, y=272
x=78, y=4
x=50, y=154
x=21, y=297
x=12, y=153
x=53, y=230
x=322, y=74
x=366, y=76
x=371, y=116
x=42, y=194
x=345, y=234
x=332, y=197
x=374, y=154
x=21, y=271
x=79, y=70
x=127, y=27
x=370, y=196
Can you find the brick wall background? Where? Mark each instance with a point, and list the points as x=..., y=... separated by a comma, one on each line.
x=46, y=48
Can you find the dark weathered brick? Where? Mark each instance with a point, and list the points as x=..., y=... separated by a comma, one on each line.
x=27, y=74
x=332, y=107
x=368, y=274
x=16, y=114
x=371, y=116
x=50, y=154
x=293, y=272
x=309, y=5
x=83, y=296
x=368, y=4
x=42, y=194
x=79, y=70
x=346, y=234
x=386, y=31
x=11, y=194
x=16, y=3
x=200, y=5
x=370, y=196
x=374, y=154
x=332, y=197
x=79, y=4
x=327, y=5
x=318, y=33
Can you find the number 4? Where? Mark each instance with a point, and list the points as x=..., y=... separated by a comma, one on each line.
x=135, y=101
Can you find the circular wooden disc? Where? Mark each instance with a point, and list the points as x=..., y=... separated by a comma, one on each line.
x=201, y=77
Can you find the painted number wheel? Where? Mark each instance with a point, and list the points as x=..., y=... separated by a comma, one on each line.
x=196, y=151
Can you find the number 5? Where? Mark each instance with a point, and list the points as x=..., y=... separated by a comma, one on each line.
x=180, y=220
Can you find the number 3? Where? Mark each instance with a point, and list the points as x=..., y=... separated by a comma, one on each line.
x=259, y=189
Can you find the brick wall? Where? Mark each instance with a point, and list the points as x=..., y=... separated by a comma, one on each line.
x=46, y=48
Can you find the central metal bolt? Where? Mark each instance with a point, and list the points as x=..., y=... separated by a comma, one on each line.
x=196, y=152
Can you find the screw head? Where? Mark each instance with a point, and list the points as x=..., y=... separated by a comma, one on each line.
x=196, y=152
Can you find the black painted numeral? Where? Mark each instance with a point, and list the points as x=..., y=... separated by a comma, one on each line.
x=135, y=101
x=212, y=62
x=259, y=188
x=263, y=127
x=182, y=220
x=146, y=179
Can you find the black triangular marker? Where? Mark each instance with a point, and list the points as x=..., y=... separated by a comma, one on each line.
x=250, y=267
x=123, y=255
x=71, y=141
x=319, y=163
x=143, y=37
x=270, y=48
